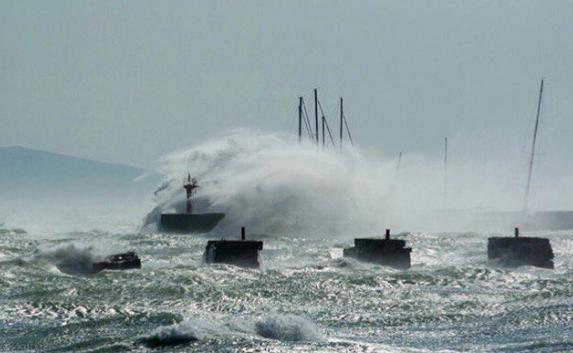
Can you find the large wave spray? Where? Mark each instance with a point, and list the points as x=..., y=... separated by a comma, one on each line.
x=271, y=183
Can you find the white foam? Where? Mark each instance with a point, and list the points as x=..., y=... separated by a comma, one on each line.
x=180, y=333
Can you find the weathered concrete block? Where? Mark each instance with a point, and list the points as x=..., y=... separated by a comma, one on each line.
x=519, y=251
x=189, y=223
x=387, y=252
x=243, y=253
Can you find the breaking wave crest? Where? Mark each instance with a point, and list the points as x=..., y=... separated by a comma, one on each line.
x=287, y=328
x=195, y=329
x=180, y=333
x=68, y=258
x=279, y=327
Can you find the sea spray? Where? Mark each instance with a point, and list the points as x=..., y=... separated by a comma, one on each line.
x=283, y=327
x=73, y=258
x=270, y=183
x=176, y=334
x=287, y=327
x=196, y=329
x=69, y=258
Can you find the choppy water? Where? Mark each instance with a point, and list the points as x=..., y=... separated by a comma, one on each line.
x=305, y=298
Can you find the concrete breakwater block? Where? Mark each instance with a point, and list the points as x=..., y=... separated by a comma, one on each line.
x=519, y=251
x=387, y=252
x=124, y=261
x=244, y=253
x=189, y=223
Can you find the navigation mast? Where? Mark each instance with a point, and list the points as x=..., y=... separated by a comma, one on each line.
x=532, y=156
x=299, y=119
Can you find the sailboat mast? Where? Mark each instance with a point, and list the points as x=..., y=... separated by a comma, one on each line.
x=399, y=161
x=316, y=113
x=299, y=119
x=531, y=158
x=445, y=155
x=323, y=121
x=341, y=120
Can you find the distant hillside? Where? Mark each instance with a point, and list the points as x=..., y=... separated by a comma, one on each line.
x=27, y=173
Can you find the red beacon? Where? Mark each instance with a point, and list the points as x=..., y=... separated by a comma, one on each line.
x=188, y=222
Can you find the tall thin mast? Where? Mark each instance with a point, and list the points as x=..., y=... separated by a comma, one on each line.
x=399, y=161
x=316, y=114
x=299, y=119
x=528, y=185
x=341, y=120
x=445, y=155
x=323, y=121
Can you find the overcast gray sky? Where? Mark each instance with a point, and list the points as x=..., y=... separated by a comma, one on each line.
x=127, y=81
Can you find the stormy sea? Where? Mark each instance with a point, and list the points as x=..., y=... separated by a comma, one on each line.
x=306, y=205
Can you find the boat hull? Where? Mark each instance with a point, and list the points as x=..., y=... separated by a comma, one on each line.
x=189, y=223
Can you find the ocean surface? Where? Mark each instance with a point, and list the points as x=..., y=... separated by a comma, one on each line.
x=305, y=298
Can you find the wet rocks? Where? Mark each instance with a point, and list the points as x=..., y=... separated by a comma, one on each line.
x=123, y=261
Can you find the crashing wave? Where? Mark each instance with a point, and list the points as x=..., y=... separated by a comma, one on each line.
x=69, y=258
x=271, y=183
x=195, y=329
x=287, y=328
x=81, y=260
x=280, y=327
x=173, y=335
